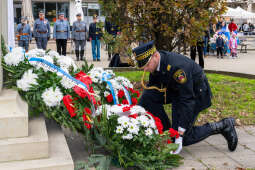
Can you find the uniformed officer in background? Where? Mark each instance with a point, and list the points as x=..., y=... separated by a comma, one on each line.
x=95, y=34
x=41, y=31
x=114, y=30
x=24, y=34
x=176, y=79
x=61, y=33
x=79, y=31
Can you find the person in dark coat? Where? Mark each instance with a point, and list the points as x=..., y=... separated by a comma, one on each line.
x=176, y=79
x=198, y=48
x=219, y=45
x=95, y=34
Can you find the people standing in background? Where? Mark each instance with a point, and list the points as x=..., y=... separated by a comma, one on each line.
x=232, y=26
x=41, y=31
x=114, y=31
x=246, y=28
x=206, y=39
x=61, y=33
x=233, y=46
x=24, y=34
x=219, y=24
x=219, y=45
x=199, y=48
x=95, y=34
x=79, y=31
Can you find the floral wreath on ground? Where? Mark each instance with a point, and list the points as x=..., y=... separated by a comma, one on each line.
x=102, y=107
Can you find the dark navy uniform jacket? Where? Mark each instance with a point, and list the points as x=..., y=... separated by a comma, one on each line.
x=94, y=31
x=187, y=87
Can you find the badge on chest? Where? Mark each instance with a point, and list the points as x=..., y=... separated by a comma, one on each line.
x=180, y=76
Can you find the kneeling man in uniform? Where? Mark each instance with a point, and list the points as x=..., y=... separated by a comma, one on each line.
x=178, y=80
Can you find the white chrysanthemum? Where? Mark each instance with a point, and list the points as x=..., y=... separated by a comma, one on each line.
x=144, y=120
x=137, y=109
x=134, y=121
x=128, y=136
x=148, y=132
x=123, y=121
x=119, y=129
x=52, y=97
x=152, y=124
x=53, y=54
x=101, y=108
x=35, y=53
x=28, y=79
x=66, y=62
x=18, y=50
x=106, y=93
x=124, y=81
x=67, y=83
x=133, y=129
x=14, y=58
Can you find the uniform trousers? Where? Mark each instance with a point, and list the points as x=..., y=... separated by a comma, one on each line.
x=61, y=46
x=41, y=42
x=193, y=51
x=24, y=44
x=79, y=44
x=153, y=101
x=96, y=48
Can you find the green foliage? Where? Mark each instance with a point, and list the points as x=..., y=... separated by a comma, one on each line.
x=169, y=22
x=3, y=47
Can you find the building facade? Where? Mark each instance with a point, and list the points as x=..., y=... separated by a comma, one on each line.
x=53, y=7
x=248, y=5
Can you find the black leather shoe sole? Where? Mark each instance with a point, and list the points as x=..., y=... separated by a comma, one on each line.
x=230, y=134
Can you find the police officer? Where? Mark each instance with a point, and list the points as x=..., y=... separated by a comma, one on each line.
x=177, y=79
x=61, y=33
x=41, y=31
x=79, y=31
x=24, y=34
x=114, y=30
x=95, y=34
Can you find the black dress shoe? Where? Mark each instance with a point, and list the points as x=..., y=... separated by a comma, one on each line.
x=94, y=60
x=226, y=127
x=98, y=59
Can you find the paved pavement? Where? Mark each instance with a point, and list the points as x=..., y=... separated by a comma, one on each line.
x=211, y=153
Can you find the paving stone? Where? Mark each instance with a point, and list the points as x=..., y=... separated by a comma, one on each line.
x=204, y=152
x=186, y=155
x=191, y=165
x=250, y=130
x=221, y=163
x=216, y=140
x=244, y=137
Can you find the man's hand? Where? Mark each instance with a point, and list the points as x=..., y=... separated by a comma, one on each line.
x=178, y=141
x=90, y=39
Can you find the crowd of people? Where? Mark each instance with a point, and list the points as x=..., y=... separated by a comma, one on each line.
x=62, y=32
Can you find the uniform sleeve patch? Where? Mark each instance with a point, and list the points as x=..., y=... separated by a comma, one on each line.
x=180, y=76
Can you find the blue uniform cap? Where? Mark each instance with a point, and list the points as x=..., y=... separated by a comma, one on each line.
x=24, y=18
x=61, y=13
x=41, y=12
x=79, y=14
x=143, y=53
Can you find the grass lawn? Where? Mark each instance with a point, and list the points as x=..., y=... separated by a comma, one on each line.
x=233, y=96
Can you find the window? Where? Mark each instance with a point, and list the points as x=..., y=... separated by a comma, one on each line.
x=37, y=7
x=92, y=12
x=63, y=7
x=50, y=11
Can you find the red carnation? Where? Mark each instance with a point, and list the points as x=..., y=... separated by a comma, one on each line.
x=173, y=133
x=126, y=109
x=134, y=101
x=119, y=104
x=137, y=93
x=86, y=119
x=158, y=123
x=83, y=77
x=121, y=93
x=131, y=90
x=133, y=115
x=169, y=141
x=67, y=100
x=87, y=110
x=80, y=91
x=124, y=101
x=109, y=98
